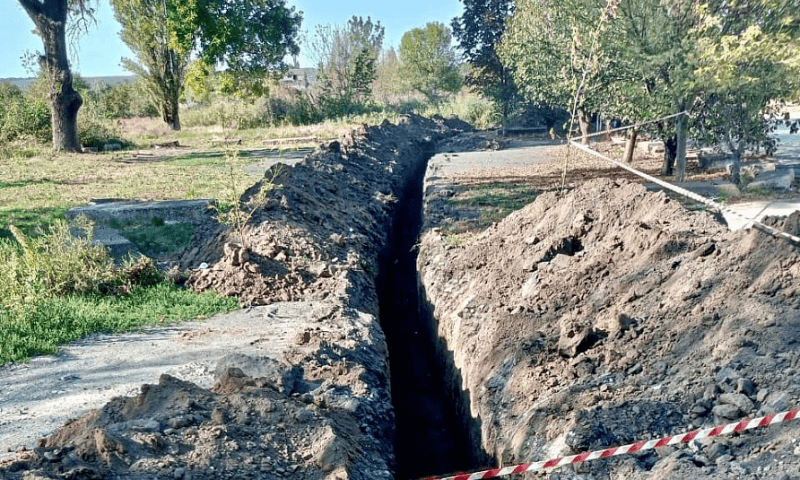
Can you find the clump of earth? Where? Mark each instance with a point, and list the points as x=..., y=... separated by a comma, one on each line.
x=608, y=314
x=593, y=317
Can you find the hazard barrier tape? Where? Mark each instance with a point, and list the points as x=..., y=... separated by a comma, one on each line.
x=635, y=125
x=627, y=449
x=686, y=193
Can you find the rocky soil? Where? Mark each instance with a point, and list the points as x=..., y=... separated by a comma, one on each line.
x=606, y=315
x=593, y=317
x=323, y=409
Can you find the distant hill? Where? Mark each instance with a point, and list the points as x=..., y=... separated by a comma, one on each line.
x=24, y=83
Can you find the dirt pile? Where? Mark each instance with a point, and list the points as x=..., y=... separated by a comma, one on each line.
x=324, y=220
x=607, y=315
x=323, y=410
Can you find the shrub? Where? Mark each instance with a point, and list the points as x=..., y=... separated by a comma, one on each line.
x=57, y=263
x=23, y=115
x=123, y=100
x=95, y=130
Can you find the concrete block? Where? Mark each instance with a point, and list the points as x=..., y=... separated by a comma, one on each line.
x=778, y=180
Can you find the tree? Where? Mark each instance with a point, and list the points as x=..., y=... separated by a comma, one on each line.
x=50, y=18
x=479, y=31
x=146, y=28
x=389, y=78
x=652, y=75
x=556, y=52
x=347, y=59
x=742, y=73
x=249, y=37
x=429, y=61
x=745, y=58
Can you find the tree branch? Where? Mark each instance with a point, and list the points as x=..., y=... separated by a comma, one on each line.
x=34, y=8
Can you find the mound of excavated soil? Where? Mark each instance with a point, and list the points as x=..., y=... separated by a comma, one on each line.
x=609, y=314
x=323, y=221
x=322, y=411
x=315, y=415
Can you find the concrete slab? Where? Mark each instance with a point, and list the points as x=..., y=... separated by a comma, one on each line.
x=516, y=153
x=118, y=246
x=758, y=210
x=180, y=210
x=779, y=179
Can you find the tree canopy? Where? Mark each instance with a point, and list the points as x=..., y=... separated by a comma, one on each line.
x=346, y=57
x=642, y=59
x=243, y=35
x=429, y=61
x=479, y=31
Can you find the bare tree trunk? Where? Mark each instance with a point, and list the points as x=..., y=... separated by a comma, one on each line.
x=171, y=114
x=585, y=124
x=680, y=154
x=736, y=166
x=50, y=18
x=630, y=145
x=670, y=149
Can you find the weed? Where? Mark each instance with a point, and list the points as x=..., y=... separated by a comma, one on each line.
x=455, y=239
x=233, y=209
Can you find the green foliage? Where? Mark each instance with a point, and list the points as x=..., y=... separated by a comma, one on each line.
x=479, y=32
x=236, y=205
x=23, y=115
x=473, y=108
x=429, y=62
x=52, y=322
x=295, y=110
x=53, y=263
x=153, y=237
x=95, y=131
x=123, y=100
x=246, y=35
x=347, y=65
x=198, y=81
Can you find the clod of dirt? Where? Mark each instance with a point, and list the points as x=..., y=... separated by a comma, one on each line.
x=607, y=315
x=323, y=411
x=321, y=222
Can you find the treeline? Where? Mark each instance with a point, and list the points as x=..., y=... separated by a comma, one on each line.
x=729, y=65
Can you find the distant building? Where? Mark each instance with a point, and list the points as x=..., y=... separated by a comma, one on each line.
x=299, y=78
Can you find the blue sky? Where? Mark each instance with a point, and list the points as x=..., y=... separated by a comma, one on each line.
x=100, y=51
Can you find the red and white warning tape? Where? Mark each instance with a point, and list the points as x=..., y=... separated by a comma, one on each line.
x=633, y=448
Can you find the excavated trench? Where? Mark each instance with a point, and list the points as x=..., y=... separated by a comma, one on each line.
x=435, y=433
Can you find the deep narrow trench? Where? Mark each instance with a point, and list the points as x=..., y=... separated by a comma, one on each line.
x=433, y=435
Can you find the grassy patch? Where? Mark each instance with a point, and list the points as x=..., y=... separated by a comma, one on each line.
x=56, y=321
x=153, y=237
x=504, y=197
x=28, y=219
x=493, y=202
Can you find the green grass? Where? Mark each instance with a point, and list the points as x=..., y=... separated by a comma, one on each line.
x=27, y=219
x=46, y=326
x=494, y=201
x=153, y=237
